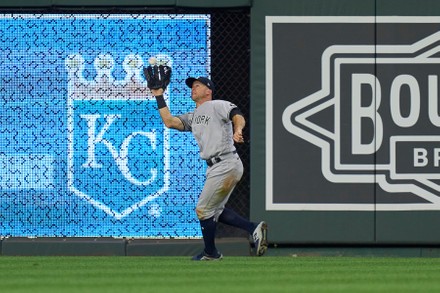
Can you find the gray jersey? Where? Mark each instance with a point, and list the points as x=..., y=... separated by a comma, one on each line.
x=211, y=127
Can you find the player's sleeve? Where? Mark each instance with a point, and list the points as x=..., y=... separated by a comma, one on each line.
x=235, y=111
x=186, y=121
x=227, y=110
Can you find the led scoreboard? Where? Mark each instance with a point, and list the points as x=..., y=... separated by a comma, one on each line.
x=83, y=150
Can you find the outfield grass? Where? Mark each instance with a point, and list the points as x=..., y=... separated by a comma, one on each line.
x=233, y=274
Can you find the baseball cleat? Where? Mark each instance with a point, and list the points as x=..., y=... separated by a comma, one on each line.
x=205, y=256
x=260, y=238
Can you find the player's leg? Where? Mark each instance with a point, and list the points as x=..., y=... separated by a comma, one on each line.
x=228, y=216
x=210, y=251
x=208, y=224
x=258, y=231
x=220, y=181
x=206, y=210
x=231, y=218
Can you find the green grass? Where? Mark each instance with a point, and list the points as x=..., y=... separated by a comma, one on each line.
x=233, y=274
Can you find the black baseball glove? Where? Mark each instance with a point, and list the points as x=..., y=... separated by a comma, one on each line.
x=157, y=76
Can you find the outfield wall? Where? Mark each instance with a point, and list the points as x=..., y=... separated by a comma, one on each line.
x=345, y=121
x=344, y=116
x=109, y=246
x=83, y=151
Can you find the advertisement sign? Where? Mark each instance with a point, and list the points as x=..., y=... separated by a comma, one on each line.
x=352, y=118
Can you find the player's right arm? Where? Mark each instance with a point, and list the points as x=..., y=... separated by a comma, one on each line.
x=169, y=120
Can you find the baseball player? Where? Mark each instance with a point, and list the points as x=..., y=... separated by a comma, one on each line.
x=216, y=125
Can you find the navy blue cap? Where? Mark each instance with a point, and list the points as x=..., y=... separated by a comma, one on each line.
x=206, y=81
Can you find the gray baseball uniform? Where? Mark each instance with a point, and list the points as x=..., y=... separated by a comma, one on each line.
x=212, y=128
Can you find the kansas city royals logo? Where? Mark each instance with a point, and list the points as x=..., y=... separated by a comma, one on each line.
x=118, y=157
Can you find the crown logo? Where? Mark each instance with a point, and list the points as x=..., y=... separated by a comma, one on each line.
x=104, y=86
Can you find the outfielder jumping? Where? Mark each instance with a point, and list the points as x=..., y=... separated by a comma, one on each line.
x=216, y=125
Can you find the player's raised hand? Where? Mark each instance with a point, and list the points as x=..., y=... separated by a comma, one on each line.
x=157, y=74
x=157, y=92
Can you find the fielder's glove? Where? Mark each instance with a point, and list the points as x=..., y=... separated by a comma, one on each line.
x=157, y=76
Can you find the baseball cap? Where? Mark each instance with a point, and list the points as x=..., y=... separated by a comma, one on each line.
x=206, y=81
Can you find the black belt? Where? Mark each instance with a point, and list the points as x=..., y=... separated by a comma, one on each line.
x=214, y=160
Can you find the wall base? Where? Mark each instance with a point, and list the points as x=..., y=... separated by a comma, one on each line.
x=55, y=246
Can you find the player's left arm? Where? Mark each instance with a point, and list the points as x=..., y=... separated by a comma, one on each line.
x=158, y=78
x=239, y=123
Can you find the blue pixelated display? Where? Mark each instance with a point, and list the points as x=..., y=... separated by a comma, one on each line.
x=83, y=150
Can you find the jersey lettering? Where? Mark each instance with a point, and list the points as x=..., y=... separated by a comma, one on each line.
x=201, y=120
